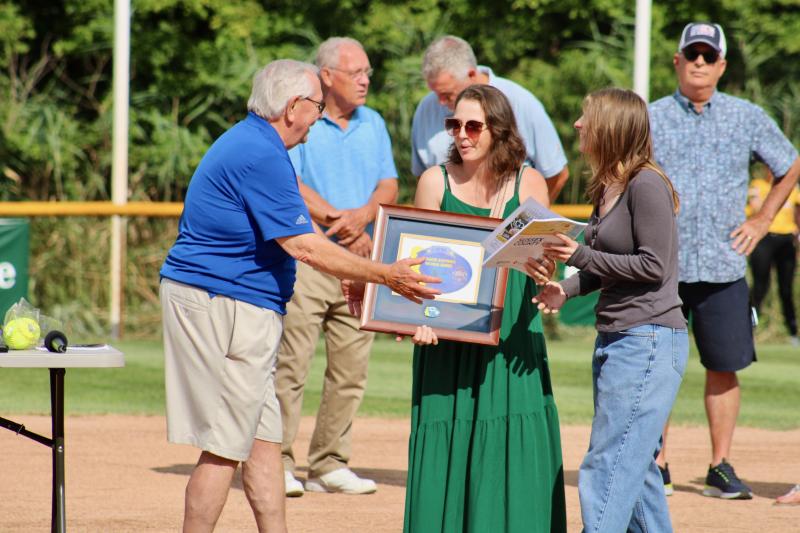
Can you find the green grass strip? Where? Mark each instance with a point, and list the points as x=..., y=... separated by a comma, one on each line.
x=770, y=387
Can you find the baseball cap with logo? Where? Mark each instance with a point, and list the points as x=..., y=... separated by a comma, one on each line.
x=704, y=32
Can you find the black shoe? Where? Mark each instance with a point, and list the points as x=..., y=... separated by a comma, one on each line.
x=668, y=489
x=722, y=482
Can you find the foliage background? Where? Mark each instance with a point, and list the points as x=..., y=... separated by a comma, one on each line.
x=191, y=65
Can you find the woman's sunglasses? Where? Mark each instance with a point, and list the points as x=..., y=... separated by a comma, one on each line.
x=472, y=128
x=709, y=56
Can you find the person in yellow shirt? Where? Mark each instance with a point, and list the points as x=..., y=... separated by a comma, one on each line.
x=776, y=248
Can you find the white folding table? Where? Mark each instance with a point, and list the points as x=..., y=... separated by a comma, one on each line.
x=95, y=357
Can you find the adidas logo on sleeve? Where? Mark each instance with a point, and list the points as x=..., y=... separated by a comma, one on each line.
x=300, y=220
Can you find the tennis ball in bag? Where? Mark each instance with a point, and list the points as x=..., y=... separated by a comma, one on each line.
x=21, y=333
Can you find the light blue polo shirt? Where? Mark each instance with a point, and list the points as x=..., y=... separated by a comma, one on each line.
x=345, y=166
x=707, y=156
x=242, y=197
x=430, y=143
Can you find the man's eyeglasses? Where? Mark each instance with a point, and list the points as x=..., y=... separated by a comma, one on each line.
x=356, y=74
x=709, y=56
x=320, y=105
x=472, y=128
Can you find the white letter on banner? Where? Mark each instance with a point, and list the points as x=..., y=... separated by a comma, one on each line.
x=8, y=275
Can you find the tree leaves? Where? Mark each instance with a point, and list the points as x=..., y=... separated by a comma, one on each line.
x=192, y=63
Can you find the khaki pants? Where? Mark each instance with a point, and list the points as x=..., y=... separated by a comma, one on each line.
x=318, y=305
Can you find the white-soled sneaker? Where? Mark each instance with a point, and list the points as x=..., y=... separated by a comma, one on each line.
x=294, y=488
x=341, y=480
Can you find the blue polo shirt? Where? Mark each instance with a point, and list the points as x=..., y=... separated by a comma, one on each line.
x=345, y=166
x=430, y=143
x=242, y=197
x=707, y=156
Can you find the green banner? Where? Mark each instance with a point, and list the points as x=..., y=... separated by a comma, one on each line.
x=14, y=251
x=578, y=311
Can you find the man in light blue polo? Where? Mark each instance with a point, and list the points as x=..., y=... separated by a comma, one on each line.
x=449, y=66
x=346, y=169
x=705, y=140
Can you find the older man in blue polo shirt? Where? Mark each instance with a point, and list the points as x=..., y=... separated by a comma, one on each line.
x=705, y=140
x=449, y=66
x=346, y=169
x=224, y=288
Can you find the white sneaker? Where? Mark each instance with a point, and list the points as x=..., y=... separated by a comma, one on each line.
x=341, y=480
x=294, y=488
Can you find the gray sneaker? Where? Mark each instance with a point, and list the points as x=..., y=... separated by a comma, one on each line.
x=722, y=482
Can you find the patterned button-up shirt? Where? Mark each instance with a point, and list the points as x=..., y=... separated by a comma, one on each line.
x=707, y=156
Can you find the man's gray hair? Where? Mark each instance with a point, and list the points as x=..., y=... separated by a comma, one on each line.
x=276, y=84
x=328, y=51
x=449, y=54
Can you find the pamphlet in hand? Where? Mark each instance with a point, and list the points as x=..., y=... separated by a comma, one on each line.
x=522, y=234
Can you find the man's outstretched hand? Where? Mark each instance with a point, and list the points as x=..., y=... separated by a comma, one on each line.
x=401, y=278
x=406, y=282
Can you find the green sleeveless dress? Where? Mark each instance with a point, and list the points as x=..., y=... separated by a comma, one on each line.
x=485, y=452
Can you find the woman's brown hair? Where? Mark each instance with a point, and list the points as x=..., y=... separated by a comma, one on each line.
x=617, y=141
x=507, y=152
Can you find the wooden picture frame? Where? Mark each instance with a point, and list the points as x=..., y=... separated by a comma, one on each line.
x=470, y=307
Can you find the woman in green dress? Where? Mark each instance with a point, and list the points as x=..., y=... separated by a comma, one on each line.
x=484, y=451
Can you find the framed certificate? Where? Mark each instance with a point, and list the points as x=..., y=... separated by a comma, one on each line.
x=471, y=304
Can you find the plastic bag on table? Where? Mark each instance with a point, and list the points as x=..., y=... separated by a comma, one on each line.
x=24, y=325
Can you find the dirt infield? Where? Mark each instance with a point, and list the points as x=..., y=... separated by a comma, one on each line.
x=122, y=476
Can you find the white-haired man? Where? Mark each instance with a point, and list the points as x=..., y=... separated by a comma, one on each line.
x=449, y=66
x=224, y=288
x=705, y=140
x=346, y=170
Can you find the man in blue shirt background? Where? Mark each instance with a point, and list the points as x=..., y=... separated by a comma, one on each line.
x=224, y=287
x=346, y=170
x=705, y=140
x=449, y=66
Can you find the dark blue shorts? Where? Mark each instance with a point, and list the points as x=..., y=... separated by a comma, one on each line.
x=721, y=322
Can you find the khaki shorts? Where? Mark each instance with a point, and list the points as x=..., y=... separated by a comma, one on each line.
x=219, y=364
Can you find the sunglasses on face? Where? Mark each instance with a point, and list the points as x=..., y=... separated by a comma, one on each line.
x=709, y=56
x=472, y=128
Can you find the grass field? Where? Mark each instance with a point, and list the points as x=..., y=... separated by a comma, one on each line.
x=770, y=388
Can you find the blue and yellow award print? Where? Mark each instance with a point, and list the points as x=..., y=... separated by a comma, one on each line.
x=442, y=262
x=457, y=263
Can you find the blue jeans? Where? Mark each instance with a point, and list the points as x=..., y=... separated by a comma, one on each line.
x=636, y=375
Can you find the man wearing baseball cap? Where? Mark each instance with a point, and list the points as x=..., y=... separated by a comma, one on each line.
x=705, y=140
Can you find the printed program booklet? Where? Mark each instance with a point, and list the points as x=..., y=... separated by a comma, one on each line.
x=522, y=234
